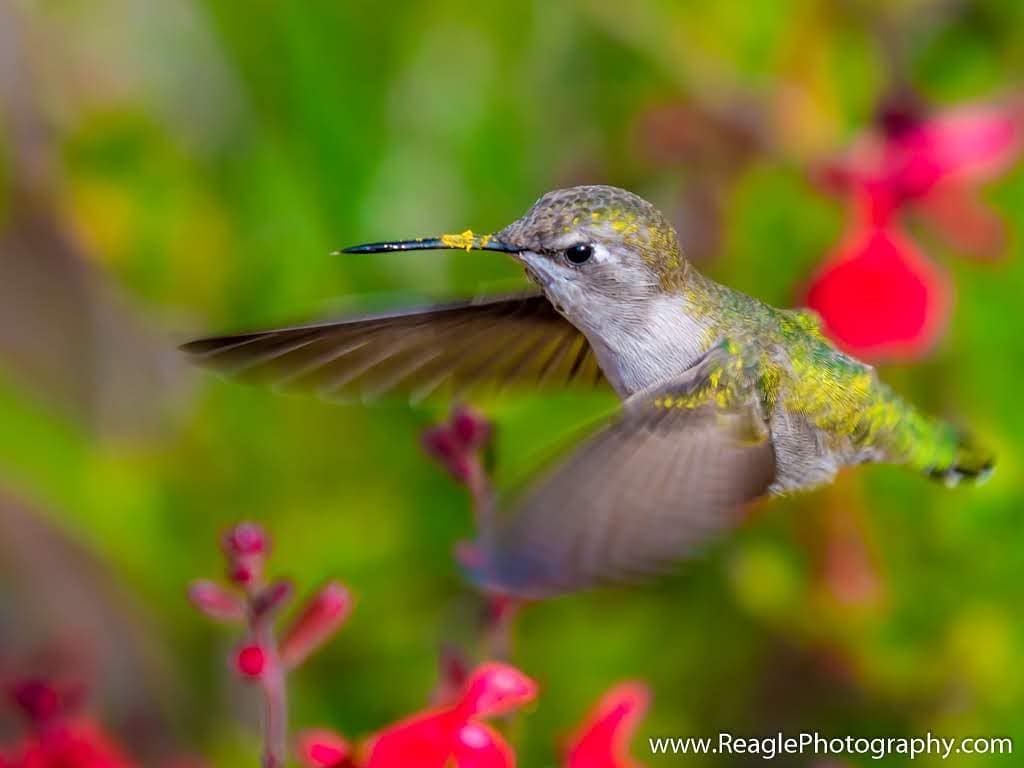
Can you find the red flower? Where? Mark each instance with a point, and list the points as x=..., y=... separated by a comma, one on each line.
x=603, y=740
x=879, y=297
x=934, y=165
x=71, y=744
x=453, y=736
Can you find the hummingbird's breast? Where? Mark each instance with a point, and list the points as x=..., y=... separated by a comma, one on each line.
x=640, y=346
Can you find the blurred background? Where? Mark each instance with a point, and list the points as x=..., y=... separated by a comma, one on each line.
x=170, y=168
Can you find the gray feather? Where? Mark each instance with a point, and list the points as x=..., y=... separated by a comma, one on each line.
x=513, y=341
x=635, y=498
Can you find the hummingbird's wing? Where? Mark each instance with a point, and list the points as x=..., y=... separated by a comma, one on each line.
x=469, y=346
x=676, y=467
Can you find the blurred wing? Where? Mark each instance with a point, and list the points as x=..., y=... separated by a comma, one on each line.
x=676, y=468
x=471, y=346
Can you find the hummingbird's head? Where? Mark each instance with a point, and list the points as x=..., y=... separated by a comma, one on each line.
x=598, y=252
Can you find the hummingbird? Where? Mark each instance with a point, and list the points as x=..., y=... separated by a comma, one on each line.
x=724, y=399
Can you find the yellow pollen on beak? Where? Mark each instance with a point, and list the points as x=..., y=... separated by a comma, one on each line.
x=463, y=240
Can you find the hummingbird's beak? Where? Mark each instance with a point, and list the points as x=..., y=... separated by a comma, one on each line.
x=466, y=241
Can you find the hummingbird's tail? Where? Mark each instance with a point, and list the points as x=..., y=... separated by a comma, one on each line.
x=931, y=446
x=970, y=462
x=942, y=451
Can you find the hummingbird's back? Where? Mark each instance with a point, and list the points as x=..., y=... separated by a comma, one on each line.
x=827, y=409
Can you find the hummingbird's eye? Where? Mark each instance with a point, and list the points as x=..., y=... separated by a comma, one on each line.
x=579, y=253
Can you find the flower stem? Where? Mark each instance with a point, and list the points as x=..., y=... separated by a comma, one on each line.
x=275, y=714
x=273, y=685
x=481, y=493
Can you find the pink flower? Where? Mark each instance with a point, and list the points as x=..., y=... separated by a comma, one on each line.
x=261, y=658
x=879, y=297
x=454, y=736
x=72, y=744
x=57, y=738
x=603, y=739
x=967, y=144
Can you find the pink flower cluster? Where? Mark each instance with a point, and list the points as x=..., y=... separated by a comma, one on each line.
x=58, y=737
x=878, y=295
x=246, y=547
x=262, y=657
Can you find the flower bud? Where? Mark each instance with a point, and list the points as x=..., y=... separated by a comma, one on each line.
x=500, y=607
x=321, y=748
x=453, y=671
x=216, y=602
x=469, y=428
x=251, y=660
x=440, y=443
x=244, y=571
x=245, y=539
x=318, y=621
x=443, y=446
x=38, y=699
x=272, y=598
